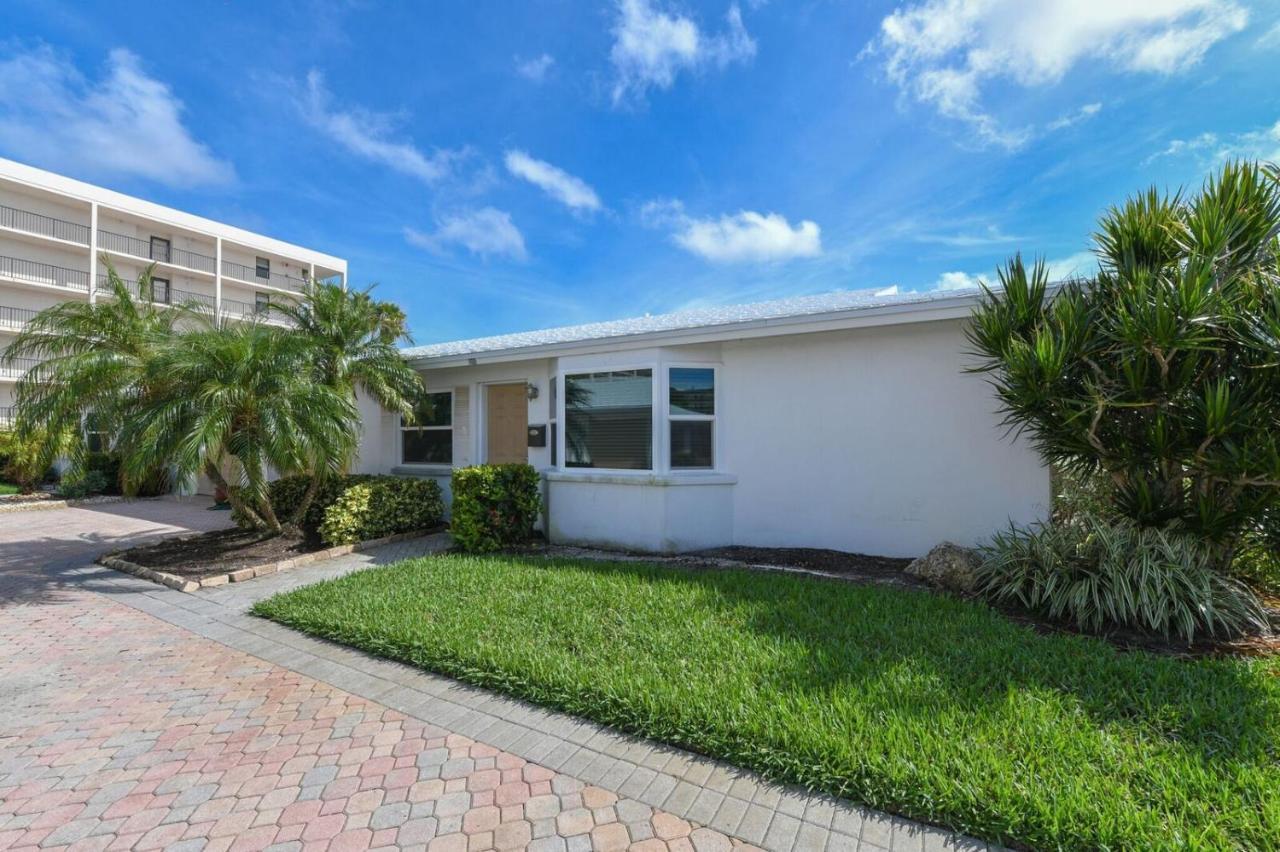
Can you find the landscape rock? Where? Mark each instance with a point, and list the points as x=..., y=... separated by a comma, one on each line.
x=949, y=566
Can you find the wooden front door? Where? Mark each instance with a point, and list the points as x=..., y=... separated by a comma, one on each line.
x=507, y=424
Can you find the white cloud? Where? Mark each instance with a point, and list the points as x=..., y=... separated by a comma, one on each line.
x=365, y=134
x=124, y=124
x=486, y=232
x=746, y=236
x=535, y=69
x=943, y=52
x=1085, y=113
x=571, y=191
x=652, y=46
x=1082, y=264
x=1210, y=148
x=992, y=235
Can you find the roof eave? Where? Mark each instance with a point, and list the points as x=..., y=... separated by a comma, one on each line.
x=956, y=307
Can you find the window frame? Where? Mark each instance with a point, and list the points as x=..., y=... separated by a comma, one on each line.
x=655, y=441
x=261, y=304
x=402, y=428
x=259, y=264
x=168, y=249
x=168, y=291
x=713, y=419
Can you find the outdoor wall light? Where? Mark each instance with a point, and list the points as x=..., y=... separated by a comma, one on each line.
x=532, y=390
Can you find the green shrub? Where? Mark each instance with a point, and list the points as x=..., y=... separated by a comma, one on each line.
x=77, y=488
x=494, y=506
x=286, y=493
x=381, y=506
x=106, y=465
x=1095, y=574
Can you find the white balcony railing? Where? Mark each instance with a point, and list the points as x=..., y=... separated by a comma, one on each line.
x=17, y=368
x=147, y=250
x=161, y=294
x=8, y=414
x=249, y=275
x=45, y=226
x=15, y=319
x=32, y=272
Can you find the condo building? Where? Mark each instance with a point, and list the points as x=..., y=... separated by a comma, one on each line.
x=57, y=235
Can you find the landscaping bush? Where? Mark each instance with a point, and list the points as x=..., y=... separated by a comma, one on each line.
x=382, y=506
x=494, y=506
x=106, y=465
x=91, y=483
x=1096, y=574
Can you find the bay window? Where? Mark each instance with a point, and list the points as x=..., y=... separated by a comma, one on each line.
x=429, y=438
x=608, y=420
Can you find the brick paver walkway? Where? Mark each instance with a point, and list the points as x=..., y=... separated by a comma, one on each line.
x=138, y=717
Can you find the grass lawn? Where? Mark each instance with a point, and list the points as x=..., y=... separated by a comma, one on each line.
x=8, y=488
x=906, y=701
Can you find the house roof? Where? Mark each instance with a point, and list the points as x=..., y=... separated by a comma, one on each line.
x=797, y=310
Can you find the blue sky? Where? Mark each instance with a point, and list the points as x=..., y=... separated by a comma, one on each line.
x=496, y=167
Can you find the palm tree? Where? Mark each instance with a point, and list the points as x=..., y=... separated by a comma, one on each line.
x=243, y=392
x=354, y=340
x=92, y=362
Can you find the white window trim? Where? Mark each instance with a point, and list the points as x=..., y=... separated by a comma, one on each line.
x=401, y=428
x=713, y=418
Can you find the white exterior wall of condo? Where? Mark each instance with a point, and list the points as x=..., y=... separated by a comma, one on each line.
x=859, y=432
x=54, y=232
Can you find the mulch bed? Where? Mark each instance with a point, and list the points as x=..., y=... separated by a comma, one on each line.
x=218, y=552
x=852, y=565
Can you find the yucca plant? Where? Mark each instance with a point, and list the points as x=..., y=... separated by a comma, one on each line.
x=1161, y=374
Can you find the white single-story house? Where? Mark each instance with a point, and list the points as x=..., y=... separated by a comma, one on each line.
x=841, y=421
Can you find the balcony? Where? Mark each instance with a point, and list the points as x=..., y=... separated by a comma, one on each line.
x=31, y=272
x=161, y=295
x=134, y=247
x=15, y=319
x=17, y=368
x=8, y=415
x=249, y=275
x=43, y=226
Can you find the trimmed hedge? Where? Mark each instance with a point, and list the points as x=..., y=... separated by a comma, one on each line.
x=286, y=493
x=382, y=506
x=494, y=506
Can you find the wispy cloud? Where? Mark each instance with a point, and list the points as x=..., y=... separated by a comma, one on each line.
x=52, y=115
x=367, y=134
x=746, y=236
x=535, y=69
x=486, y=232
x=573, y=192
x=992, y=235
x=1085, y=113
x=1082, y=264
x=1211, y=148
x=652, y=46
x=944, y=52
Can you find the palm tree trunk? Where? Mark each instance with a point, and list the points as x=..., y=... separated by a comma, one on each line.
x=308, y=496
x=233, y=497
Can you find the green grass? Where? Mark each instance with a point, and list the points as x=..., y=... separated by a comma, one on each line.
x=930, y=707
x=8, y=488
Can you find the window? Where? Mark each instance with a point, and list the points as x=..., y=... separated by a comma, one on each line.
x=96, y=438
x=262, y=268
x=159, y=249
x=262, y=303
x=609, y=420
x=429, y=439
x=692, y=416
x=160, y=291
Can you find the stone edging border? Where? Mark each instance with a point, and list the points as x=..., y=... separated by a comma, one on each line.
x=182, y=584
x=8, y=506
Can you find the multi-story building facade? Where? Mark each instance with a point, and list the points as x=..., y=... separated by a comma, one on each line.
x=57, y=235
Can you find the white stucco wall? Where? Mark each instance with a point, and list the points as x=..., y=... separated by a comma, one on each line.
x=870, y=439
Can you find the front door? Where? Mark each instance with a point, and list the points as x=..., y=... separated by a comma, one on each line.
x=507, y=424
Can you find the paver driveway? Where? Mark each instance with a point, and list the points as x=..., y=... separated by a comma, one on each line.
x=138, y=717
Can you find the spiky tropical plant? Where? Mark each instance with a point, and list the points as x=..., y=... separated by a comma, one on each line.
x=92, y=360
x=1162, y=372
x=242, y=393
x=354, y=338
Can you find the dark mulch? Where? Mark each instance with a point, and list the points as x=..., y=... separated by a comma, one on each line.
x=218, y=552
x=858, y=566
